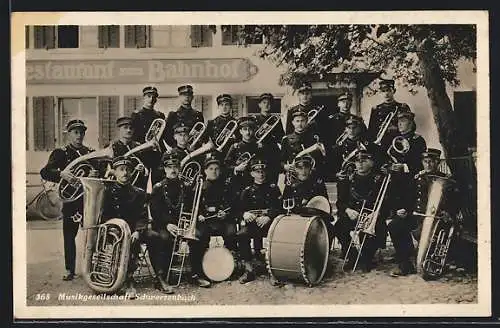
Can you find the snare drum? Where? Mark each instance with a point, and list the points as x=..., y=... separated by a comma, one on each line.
x=218, y=263
x=298, y=248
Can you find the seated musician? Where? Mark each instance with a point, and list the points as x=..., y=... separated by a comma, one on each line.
x=404, y=222
x=124, y=201
x=125, y=143
x=362, y=187
x=303, y=188
x=259, y=204
x=354, y=140
x=301, y=137
x=237, y=163
x=215, y=212
x=216, y=126
x=167, y=198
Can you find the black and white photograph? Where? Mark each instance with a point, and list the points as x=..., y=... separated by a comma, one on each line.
x=263, y=164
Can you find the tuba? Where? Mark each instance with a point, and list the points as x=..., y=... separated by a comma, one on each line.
x=311, y=115
x=80, y=167
x=195, y=135
x=437, y=233
x=190, y=170
x=399, y=146
x=107, y=245
x=366, y=223
x=225, y=135
x=266, y=127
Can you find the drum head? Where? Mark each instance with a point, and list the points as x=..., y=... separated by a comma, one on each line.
x=218, y=264
x=320, y=203
x=316, y=248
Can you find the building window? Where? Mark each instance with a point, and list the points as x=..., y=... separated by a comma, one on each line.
x=203, y=104
x=201, y=36
x=253, y=105
x=108, y=113
x=44, y=123
x=138, y=36
x=132, y=103
x=79, y=108
x=230, y=35
x=109, y=36
x=62, y=36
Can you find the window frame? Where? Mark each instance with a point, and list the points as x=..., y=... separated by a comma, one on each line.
x=148, y=36
x=32, y=44
x=108, y=29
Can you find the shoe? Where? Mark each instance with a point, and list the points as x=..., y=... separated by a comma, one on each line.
x=131, y=293
x=68, y=276
x=276, y=283
x=164, y=287
x=365, y=268
x=398, y=273
x=247, y=277
x=201, y=282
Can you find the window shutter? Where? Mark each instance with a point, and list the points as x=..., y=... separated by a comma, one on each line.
x=195, y=36
x=27, y=36
x=226, y=35
x=131, y=103
x=103, y=36
x=237, y=108
x=26, y=120
x=114, y=36
x=43, y=116
x=206, y=36
x=108, y=113
x=130, y=36
x=45, y=37
x=140, y=35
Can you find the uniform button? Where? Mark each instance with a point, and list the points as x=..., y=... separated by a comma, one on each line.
x=418, y=199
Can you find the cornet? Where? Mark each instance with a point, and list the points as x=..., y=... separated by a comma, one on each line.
x=225, y=135
x=266, y=127
x=195, y=135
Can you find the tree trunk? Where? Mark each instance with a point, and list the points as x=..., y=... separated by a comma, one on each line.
x=449, y=134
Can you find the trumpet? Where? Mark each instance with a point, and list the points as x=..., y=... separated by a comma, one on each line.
x=266, y=127
x=225, y=135
x=384, y=126
x=311, y=115
x=195, y=135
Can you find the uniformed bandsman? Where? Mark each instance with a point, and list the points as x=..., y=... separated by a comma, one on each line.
x=124, y=201
x=403, y=221
x=185, y=114
x=363, y=185
x=379, y=113
x=300, y=138
x=259, y=204
x=167, y=198
x=141, y=121
x=333, y=124
x=215, y=126
x=410, y=160
x=53, y=171
x=304, y=93
x=273, y=139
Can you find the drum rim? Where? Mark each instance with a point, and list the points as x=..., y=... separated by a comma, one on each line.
x=270, y=233
x=218, y=249
x=325, y=262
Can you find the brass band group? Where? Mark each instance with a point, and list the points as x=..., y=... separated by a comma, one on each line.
x=171, y=183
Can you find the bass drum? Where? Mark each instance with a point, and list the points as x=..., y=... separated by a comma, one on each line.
x=297, y=249
x=219, y=264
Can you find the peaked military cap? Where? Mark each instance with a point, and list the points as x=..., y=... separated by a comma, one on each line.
x=75, y=124
x=124, y=120
x=149, y=89
x=211, y=160
x=185, y=89
x=304, y=160
x=298, y=111
x=181, y=127
x=431, y=153
x=171, y=158
x=266, y=95
x=304, y=86
x=247, y=121
x=386, y=83
x=364, y=154
x=224, y=98
x=258, y=164
x=344, y=96
x=353, y=119
x=406, y=114
x=120, y=160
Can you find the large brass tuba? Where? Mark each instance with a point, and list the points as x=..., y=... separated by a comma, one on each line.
x=225, y=135
x=437, y=232
x=107, y=245
x=366, y=223
x=80, y=167
x=195, y=135
x=266, y=127
x=191, y=169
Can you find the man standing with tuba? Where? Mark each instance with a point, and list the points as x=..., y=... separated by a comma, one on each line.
x=124, y=201
x=381, y=112
x=404, y=222
x=185, y=114
x=217, y=125
x=356, y=193
x=141, y=121
x=54, y=171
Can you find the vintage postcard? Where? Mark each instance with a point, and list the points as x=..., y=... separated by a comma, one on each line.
x=251, y=164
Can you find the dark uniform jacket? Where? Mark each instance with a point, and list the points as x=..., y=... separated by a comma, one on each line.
x=313, y=126
x=214, y=197
x=378, y=115
x=333, y=126
x=189, y=116
x=294, y=143
x=274, y=137
x=339, y=152
x=166, y=199
x=214, y=128
x=58, y=161
x=413, y=158
x=303, y=191
x=128, y=203
x=261, y=197
x=120, y=148
x=141, y=121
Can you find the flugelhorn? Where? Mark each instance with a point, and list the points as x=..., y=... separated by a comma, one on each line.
x=266, y=127
x=311, y=115
x=80, y=167
x=225, y=135
x=195, y=135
